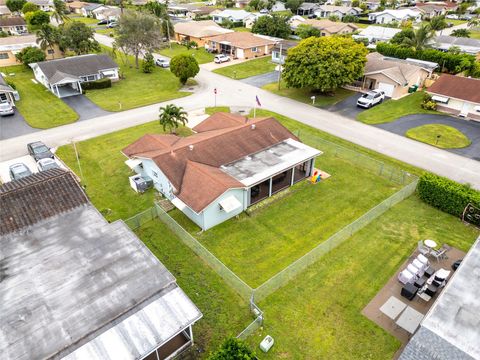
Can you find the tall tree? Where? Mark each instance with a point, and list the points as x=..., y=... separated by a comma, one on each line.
x=29, y=7
x=438, y=23
x=305, y=31
x=47, y=38
x=275, y=25
x=78, y=37
x=138, y=33
x=324, y=63
x=36, y=19
x=160, y=11
x=293, y=5
x=419, y=38
x=171, y=117
x=15, y=5
x=60, y=11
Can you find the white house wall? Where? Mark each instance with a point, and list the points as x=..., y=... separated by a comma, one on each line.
x=213, y=215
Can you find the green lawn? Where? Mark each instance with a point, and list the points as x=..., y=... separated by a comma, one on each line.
x=40, y=108
x=318, y=314
x=304, y=95
x=391, y=110
x=442, y=136
x=212, y=110
x=248, y=68
x=136, y=88
x=200, y=54
x=105, y=31
x=475, y=34
x=242, y=29
x=83, y=19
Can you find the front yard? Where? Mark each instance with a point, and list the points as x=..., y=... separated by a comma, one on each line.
x=200, y=54
x=83, y=19
x=40, y=108
x=442, y=136
x=248, y=68
x=136, y=88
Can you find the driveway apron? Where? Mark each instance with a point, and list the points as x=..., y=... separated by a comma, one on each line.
x=262, y=79
x=15, y=125
x=85, y=108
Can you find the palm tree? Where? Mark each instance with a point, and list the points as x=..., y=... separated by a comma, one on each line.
x=47, y=38
x=172, y=116
x=421, y=37
x=60, y=11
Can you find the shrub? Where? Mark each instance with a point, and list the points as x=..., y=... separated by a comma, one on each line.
x=429, y=105
x=184, y=66
x=29, y=7
x=3, y=34
x=148, y=64
x=103, y=83
x=446, y=195
x=30, y=55
x=233, y=348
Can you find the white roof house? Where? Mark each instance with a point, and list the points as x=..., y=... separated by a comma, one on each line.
x=377, y=33
x=235, y=16
x=466, y=45
x=388, y=16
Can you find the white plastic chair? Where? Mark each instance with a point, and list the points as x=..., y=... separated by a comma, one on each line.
x=423, y=260
x=422, y=249
x=406, y=277
x=420, y=266
x=414, y=270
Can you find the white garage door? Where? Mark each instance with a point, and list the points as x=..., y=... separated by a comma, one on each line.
x=387, y=88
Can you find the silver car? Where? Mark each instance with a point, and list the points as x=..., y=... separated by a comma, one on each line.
x=47, y=164
x=19, y=171
x=164, y=63
x=6, y=109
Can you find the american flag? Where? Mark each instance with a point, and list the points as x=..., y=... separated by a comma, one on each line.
x=258, y=101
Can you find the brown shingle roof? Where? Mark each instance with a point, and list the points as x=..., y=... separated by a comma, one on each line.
x=331, y=26
x=220, y=121
x=242, y=40
x=12, y=21
x=194, y=172
x=200, y=29
x=37, y=197
x=457, y=87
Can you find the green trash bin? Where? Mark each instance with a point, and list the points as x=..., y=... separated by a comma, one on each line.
x=412, y=89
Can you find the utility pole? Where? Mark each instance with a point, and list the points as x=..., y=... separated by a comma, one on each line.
x=78, y=160
x=280, y=65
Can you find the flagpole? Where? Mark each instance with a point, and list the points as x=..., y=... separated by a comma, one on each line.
x=255, y=109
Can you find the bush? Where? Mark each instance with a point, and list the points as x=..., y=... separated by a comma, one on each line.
x=350, y=19
x=429, y=105
x=3, y=34
x=29, y=7
x=30, y=55
x=103, y=83
x=148, y=64
x=184, y=66
x=446, y=195
x=233, y=349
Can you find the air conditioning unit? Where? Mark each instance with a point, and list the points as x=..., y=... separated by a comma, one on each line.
x=139, y=183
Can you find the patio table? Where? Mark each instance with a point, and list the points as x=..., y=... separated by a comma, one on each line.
x=410, y=319
x=393, y=307
x=430, y=243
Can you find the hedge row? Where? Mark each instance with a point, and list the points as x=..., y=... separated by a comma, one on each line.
x=97, y=84
x=447, y=195
x=453, y=63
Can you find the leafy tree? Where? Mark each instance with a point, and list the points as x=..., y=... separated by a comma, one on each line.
x=78, y=37
x=36, y=19
x=233, y=349
x=293, y=5
x=228, y=24
x=419, y=38
x=15, y=5
x=160, y=11
x=171, y=117
x=399, y=37
x=334, y=18
x=305, y=31
x=138, y=33
x=275, y=25
x=29, y=7
x=338, y=3
x=30, y=55
x=461, y=33
x=355, y=3
x=148, y=63
x=363, y=6
x=349, y=19
x=184, y=66
x=324, y=63
x=60, y=11
x=438, y=23
x=47, y=37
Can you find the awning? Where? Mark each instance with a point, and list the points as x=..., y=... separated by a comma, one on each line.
x=132, y=163
x=108, y=72
x=230, y=204
x=440, y=99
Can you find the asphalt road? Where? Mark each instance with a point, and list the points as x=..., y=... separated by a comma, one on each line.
x=235, y=93
x=15, y=125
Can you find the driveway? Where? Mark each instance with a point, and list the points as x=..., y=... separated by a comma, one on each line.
x=262, y=79
x=471, y=129
x=347, y=107
x=85, y=108
x=15, y=125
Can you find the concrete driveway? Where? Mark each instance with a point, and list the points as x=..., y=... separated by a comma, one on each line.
x=471, y=129
x=85, y=108
x=262, y=79
x=15, y=125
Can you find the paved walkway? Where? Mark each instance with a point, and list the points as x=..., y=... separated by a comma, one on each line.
x=262, y=79
x=84, y=107
x=15, y=125
x=471, y=129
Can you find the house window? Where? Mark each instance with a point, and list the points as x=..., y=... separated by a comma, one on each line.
x=3, y=97
x=50, y=51
x=3, y=56
x=91, y=77
x=254, y=49
x=276, y=55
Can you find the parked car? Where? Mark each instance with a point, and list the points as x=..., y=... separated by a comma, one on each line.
x=371, y=98
x=39, y=150
x=263, y=11
x=312, y=16
x=103, y=22
x=164, y=63
x=6, y=109
x=221, y=58
x=112, y=25
x=19, y=171
x=452, y=17
x=47, y=164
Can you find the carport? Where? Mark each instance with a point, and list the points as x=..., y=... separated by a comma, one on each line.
x=66, y=86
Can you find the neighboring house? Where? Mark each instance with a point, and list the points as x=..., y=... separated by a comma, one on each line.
x=279, y=52
x=76, y=7
x=75, y=286
x=110, y=13
x=87, y=10
x=200, y=12
x=5, y=11
x=250, y=20
x=457, y=95
x=198, y=31
x=450, y=329
x=394, y=76
x=235, y=16
x=180, y=10
x=240, y=4
x=230, y=164
x=7, y=93
x=12, y=45
x=466, y=45
x=389, y=16
x=64, y=77
x=325, y=26
x=44, y=5
x=241, y=45
x=307, y=8
x=376, y=34
x=372, y=5
x=278, y=6
x=346, y=3
x=429, y=10
x=14, y=25
x=325, y=11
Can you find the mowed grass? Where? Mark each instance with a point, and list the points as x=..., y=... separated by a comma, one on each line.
x=40, y=108
x=318, y=314
x=475, y=34
x=105, y=174
x=136, y=88
x=391, y=110
x=200, y=54
x=305, y=95
x=83, y=19
x=442, y=136
x=248, y=68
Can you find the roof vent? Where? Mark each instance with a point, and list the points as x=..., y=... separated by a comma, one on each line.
x=253, y=126
x=190, y=147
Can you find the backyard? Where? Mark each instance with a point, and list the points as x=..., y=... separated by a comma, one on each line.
x=40, y=108
x=247, y=68
x=136, y=88
x=200, y=54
